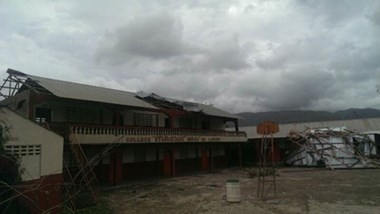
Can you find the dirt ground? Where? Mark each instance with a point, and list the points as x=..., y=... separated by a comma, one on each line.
x=299, y=190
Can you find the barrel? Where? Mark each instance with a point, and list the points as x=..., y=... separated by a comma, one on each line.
x=233, y=190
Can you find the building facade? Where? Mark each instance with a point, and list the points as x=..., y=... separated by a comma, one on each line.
x=125, y=135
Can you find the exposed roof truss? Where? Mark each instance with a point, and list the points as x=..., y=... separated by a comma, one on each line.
x=16, y=81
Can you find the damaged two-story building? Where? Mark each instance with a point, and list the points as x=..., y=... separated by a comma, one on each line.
x=122, y=135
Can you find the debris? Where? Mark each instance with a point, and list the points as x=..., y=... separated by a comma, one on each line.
x=252, y=173
x=333, y=148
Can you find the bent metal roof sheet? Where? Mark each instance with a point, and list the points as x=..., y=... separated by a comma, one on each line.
x=185, y=105
x=212, y=111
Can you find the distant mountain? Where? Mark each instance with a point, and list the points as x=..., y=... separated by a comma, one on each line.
x=298, y=116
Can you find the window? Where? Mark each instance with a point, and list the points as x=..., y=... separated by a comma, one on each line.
x=185, y=122
x=43, y=115
x=20, y=104
x=82, y=115
x=23, y=150
x=205, y=125
x=140, y=155
x=217, y=151
x=183, y=153
x=140, y=119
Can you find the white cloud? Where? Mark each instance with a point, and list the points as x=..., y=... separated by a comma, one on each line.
x=239, y=55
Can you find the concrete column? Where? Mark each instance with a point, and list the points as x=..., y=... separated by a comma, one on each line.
x=115, y=168
x=236, y=125
x=204, y=159
x=240, y=155
x=173, y=162
x=211, y=160
x=157, y=161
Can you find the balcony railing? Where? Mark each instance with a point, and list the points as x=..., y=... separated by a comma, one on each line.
x=137, y=131
x=105, y=134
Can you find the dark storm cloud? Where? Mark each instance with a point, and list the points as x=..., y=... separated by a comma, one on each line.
x=297, y=89
x=356, y=64
x=334, y=12
x=156, y=36
x=159, y=37
x=375, y=16
x=294, y=88
x=308, y=50
x=226, y=53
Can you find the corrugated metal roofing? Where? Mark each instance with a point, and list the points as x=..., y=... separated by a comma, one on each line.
x=203, y=108
x=190, y=106
x=212, y=111
x=78, y=91
x=357, y=125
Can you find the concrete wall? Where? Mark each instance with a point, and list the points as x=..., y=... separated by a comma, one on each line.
x=24, y=132
x=19, y=103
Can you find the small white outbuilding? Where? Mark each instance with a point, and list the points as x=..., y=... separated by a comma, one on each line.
x=39, y=149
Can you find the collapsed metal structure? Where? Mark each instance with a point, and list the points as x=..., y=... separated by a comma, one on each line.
x=334, y=148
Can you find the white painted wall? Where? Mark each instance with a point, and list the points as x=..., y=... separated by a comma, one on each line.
x=26, y=132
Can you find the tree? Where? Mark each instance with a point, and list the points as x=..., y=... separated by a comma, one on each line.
x=10, y=175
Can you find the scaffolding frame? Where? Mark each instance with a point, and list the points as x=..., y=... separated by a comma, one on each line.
x=85, y=177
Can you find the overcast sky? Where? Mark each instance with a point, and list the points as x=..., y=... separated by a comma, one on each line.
x=237, y=55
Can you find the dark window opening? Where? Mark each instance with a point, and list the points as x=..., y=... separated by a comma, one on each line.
x=186, y=122
x=82, y=115
x=167, y=123
x=43, y=115
x=205, y=125
x=20, y=104
x=121, y=120
x=139, y=155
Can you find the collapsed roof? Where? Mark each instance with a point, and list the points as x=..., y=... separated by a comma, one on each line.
x=18, y=81
x=169, y=103
x=334, y=148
